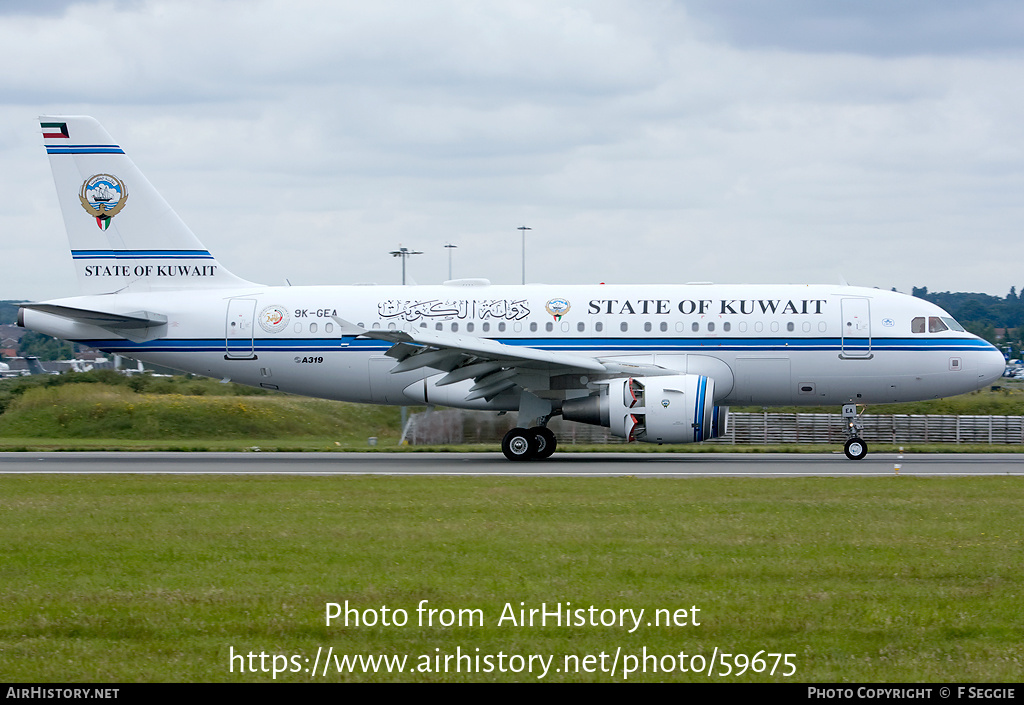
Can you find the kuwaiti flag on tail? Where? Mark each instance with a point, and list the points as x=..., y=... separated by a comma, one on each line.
x=54, y=130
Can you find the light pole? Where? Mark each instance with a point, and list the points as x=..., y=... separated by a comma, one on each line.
x=523, y=229
x=449, y=246
x=405, y=253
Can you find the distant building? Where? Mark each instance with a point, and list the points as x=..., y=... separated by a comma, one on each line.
x=10, y=335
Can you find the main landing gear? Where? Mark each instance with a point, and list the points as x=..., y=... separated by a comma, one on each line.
x=855, y=447
x=536, y=443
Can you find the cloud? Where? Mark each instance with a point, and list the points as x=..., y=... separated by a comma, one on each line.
x=867, y=27
x=651, y=142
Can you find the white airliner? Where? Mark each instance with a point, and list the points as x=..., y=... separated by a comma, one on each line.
x=656, y=364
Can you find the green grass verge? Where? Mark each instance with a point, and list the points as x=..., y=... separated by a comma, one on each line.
x=99, y=411
x=89, y=411
x=132, y=578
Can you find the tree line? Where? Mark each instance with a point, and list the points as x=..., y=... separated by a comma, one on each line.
x=999, y=320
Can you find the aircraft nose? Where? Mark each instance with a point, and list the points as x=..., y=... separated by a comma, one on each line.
x=991, y=365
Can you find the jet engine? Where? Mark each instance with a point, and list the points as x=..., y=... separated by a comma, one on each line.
x=670, y=409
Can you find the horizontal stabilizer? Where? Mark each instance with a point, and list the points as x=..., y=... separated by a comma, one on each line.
x=103, y=319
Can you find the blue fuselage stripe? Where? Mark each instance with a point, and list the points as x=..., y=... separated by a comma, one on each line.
x=588, y=346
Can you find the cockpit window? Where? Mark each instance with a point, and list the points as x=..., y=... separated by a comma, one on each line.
x=953, y=324
x=936, y=324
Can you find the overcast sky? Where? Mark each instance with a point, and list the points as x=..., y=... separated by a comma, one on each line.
x=792, y=141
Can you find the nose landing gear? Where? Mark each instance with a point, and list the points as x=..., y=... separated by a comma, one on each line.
x=855, y=447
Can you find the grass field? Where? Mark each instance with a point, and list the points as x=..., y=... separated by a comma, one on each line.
x=135, y=578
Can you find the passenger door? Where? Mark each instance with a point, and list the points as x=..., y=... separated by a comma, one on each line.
x=856, y=329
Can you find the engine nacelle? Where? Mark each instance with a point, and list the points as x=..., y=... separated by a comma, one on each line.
x=670, y=409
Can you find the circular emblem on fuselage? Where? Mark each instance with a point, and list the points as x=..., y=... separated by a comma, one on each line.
x=557, y=308
x=103, y=196
x=665, y=403
x=274, y=319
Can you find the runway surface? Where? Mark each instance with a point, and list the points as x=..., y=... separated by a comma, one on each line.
x=494, y=464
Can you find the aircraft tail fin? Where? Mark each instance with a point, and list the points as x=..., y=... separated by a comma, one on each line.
x=123, y=235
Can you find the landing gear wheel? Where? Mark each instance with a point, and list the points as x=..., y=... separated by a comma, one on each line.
x=855, y=449
x=519, y=444
x=546, y=442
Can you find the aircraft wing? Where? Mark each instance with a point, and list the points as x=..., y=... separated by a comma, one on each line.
x=495, y=367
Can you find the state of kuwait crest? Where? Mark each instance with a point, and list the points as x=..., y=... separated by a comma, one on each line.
x=103, y=196
x=557, y=308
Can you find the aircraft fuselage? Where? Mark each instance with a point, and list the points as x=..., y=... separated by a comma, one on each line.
x=764, y=345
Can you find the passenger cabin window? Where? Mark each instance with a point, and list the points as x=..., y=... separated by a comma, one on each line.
x=624, y=326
